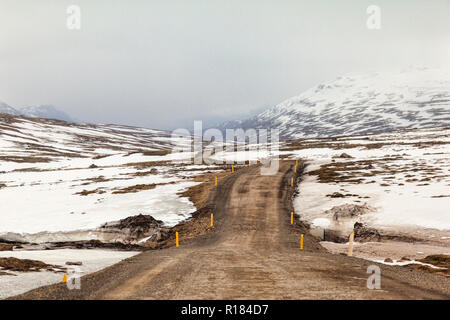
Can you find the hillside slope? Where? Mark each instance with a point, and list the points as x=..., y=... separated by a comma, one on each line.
x=361, y=104
x=58, y=177
x=43, y=111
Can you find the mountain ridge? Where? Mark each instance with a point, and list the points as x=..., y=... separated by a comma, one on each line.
x=360, y=104
x=41, y=111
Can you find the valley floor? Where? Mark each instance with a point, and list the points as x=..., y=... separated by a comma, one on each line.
x=61, y=182
x=252, y=253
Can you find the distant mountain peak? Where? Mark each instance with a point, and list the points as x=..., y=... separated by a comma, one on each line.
x=361, y=104
x=42, y=111
x=45, y=111
x=5, y=108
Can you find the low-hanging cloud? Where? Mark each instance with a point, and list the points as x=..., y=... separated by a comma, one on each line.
x=165, y=63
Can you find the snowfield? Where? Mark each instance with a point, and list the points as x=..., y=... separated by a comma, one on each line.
x=92, y=260
x=404, y=177
x=61, y=177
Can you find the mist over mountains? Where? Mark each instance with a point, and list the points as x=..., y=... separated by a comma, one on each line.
x=352, y=104
x=43, y=111
x=360, y=104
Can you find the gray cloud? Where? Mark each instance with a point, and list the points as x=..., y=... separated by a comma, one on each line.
x=164, y=63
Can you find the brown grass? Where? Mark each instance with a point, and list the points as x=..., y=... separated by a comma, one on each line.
x=332, y=172
x=147, y=164
x=88, y=192
x=351, y=171
x=25, y=265
x=438, y=260
x=136, y=188
x=340, y=195
x=145, y=173
x=155, y=152
x=6, y=247
x=98, y=179
x=337, y=145
x=19, y=159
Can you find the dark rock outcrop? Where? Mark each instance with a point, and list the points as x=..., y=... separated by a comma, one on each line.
x=363, y=233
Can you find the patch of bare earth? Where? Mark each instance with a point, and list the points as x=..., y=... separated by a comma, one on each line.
x=147, y=164
x=441, y=261
x=6, y=247
x=27, y=265
x=199, y=193
x=25, y=159
x=145, y=173
x=135, y=188
x=88, y=192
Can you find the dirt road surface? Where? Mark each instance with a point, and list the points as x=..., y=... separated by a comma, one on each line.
x=253, y=253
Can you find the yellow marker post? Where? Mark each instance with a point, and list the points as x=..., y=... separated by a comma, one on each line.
x=215, y=181
x=64, y=279
x=176, y=241
x=292, y=218
x=292, y=182
x=295, y=169
x=350, y=244
x=296, y=162
x=249, y=163
x=232, y=168
x=212, y=220
x=301, y=242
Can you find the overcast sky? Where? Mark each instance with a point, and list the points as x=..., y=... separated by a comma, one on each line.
x=164, y=63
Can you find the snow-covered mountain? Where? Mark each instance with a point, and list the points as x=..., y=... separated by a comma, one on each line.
x=24, y=137
x=4, y=108
x=44, y=111
x=361, y=104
